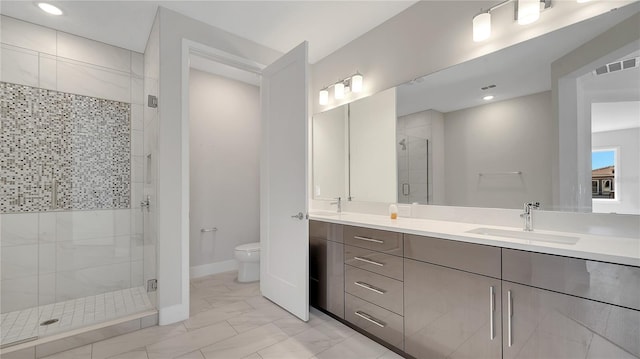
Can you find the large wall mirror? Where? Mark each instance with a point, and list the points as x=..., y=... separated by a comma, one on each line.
x=555, y=119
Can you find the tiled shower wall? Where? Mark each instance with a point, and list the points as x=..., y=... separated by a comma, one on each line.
x=64, y=254
x=62, y=151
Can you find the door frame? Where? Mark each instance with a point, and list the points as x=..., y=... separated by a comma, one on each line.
x=192, y=47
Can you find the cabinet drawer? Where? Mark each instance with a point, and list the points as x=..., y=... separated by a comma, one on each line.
x=377, y=289
x=380, y=322
x=377, y=240
x=325, y=230
x=605, y=282
x=381, y=263
x=474, y=258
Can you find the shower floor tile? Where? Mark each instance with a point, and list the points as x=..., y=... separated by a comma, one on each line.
x=71, y=314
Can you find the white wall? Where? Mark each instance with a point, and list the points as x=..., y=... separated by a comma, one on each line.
x=224, y=170
x=330, y=154
x=54, y=256
x=505, y=136
x=627, y=173
x=433, y=35
x=372, y=148
x=173, y=150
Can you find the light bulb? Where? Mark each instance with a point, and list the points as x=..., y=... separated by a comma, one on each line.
x=324, y=97
x=481, y=27
x=528, y=11
x=49, y=9
x=338, y=89
x=356, y=82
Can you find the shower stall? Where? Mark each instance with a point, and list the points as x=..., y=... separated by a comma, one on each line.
x=72, y=213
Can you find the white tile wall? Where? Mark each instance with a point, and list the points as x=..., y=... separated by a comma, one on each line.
x=19, y=66
x=94, y=81
x=48, y=72
x=137, y=64
x=137, y=120
x=19, y=261
x=93, y=52
x=29, y=36
x=19, y=229
x=53, y=256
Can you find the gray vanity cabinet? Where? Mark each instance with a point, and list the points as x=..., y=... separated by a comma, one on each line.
x=374, y=282
x=542, y=324
x=560, y=307
x=326, y=267
x=449, y=312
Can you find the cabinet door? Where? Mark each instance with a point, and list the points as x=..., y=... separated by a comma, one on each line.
x=544, y=324
x=326, y=275
x=450, y=313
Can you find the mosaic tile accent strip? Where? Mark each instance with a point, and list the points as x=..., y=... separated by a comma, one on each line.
x=77, y=145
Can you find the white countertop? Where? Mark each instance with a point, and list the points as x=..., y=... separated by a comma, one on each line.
x=619, y=250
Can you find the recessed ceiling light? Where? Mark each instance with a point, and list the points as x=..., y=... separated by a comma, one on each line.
x=49, y=9
x=488, y=97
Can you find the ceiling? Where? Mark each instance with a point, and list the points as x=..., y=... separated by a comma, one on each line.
x=280, y=25
x=516, y=71
x=612, y=116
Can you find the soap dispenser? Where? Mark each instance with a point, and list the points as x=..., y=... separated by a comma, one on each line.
x=393, y=211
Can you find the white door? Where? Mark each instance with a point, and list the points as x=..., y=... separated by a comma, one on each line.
x=284, y=252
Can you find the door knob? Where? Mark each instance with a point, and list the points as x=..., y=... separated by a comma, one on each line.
x=299, y=216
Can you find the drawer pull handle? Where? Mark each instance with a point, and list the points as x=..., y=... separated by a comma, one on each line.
x=367, y=239
x=492, y=309
x=361, y=259
x=370, y=287
x=371, y=319
x=509, y=318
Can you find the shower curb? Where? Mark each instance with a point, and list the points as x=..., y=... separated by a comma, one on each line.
x=57, y=343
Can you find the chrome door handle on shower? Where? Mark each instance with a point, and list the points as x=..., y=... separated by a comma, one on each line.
x=146, y=203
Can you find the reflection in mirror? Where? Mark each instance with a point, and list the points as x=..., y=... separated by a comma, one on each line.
x=518, y=125
x=354, y=157
x=330, y=148
x=492, y=129
x=372, y=123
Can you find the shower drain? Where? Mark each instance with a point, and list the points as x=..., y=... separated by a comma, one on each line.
x=49, y=322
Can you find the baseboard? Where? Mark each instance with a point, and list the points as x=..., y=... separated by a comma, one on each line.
x=213, y=268
x=173, y=314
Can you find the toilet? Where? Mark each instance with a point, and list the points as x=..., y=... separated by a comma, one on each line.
x=248, y=256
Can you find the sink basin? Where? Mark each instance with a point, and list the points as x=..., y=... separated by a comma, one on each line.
x=531, y=236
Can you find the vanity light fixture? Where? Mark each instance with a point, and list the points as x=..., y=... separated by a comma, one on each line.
x=49, y=9
x=488, y=98
x=356, y=82
x=481, y=26
x=526, y=12
x=352, y=83
x=324, y=96
x=338, y=90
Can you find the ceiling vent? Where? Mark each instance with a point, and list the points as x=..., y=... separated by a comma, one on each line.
x=618, y=65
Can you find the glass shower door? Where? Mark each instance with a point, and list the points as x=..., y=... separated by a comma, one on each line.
x=72, y=236
x=413, y=169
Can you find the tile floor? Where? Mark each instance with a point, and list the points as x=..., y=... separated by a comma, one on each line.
x=232, y=320
x=73, y=314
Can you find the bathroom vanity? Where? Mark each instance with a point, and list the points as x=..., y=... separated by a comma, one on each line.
x=435, y=289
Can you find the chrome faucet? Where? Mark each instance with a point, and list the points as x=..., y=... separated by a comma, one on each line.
x=528, y=216
x=339, y=204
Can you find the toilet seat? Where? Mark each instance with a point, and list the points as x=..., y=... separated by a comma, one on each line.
x=249, y=247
